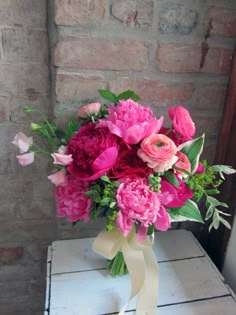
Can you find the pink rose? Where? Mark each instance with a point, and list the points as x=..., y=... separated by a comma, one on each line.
x=22, y=142
x=159, y=152
x=62, y=159
x=88, y=110
x=25, y=159
x=183, y=163
x=58, y=178
x=137, y=204
x=131, y=121
x=182, y=122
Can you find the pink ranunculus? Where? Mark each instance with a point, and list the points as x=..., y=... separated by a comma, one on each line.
x=163, y=221
x=136, y=203
x=159, y=152
x=94, y=152
x=22, y=142
x=131, y=121
x=182, y=122
x=62, y=159
x=58, y=178
x=25, y=159
x=183, y=163
x=178, y=195
x=71, y=200
x=88, y=110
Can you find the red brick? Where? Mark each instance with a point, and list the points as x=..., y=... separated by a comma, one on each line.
x=79, y=12
x=223, y=21
x=77, y=86
x=10, y=254
x=207, y=123
x=187, y=58
x=133, y=13
x=154, y=92
x=210, y=97
x=87, y=53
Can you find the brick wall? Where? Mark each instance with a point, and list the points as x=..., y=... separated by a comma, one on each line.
x=27, y=211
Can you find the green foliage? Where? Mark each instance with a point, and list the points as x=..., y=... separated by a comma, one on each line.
x=172, y=179
x=108, y=95
x=189, y=211
x=154, y=181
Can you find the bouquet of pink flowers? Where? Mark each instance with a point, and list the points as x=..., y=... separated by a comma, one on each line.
x=120, y=162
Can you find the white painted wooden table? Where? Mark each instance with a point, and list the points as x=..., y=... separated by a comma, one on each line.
x=79, y=284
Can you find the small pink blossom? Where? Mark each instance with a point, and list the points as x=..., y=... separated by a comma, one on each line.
x=182, y=163
x=131, y=121
x=200, y=168
x=159, y=152
x=182, y=122
x=136, y=203
x=62, y=159
x=22, y=142
x=25, y=159
x=88, y=110
x=58, y=178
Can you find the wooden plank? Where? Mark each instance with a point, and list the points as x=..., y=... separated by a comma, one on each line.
x=48, y=278
x=96, y=292
x=77, y=255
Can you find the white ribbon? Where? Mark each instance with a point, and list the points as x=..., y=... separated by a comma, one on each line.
x=141, y=263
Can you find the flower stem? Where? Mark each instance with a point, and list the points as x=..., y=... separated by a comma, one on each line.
x=117, y=265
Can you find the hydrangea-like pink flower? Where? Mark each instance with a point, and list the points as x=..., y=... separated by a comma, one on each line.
x=88, y=110
x=62, y=159
x=182, y=122
x=58, y=178
x=137, y=203
x=25, y=159
x=159, y=152
x=131, y=121
x=71, y=200
x=22, y=142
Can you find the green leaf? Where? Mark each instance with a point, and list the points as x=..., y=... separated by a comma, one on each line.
x=112, y=204
x=71, y=128
x=215, y=202
x=224, y=169
x=105, y=179
x=128, y=94
x=108, y=95
x=150, y=230
x=225, y=223
x=193, y=150
x=172, y=179
x=27, y=109
x=210, y=212
x=189, y=212
x=105, y=201
x=181, y=170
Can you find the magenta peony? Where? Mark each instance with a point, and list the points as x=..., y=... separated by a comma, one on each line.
x=159, y=152
x=136, y=203
x=182, y=122
x=131, y=121
x=71, y=200
x=94, y=152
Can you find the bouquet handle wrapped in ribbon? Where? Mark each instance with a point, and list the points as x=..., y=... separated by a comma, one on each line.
x=120, y=162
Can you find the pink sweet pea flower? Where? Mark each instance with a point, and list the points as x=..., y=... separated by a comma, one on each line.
x=25, y=159
x=182, y=122
x=58, y=178
x=62, y=149
x=131, y=121
x=22, y=142
x=62, y=159
x=183, y=163
x=159, y=152
x=88, y=110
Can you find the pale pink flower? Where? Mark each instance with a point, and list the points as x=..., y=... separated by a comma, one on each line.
x=25, y=159
x=131, y=121
x=88, y=110
x=163, y=221
x=58, y=178
x=62, y=149
x=71, y=200
x=22, y=142
x=159, y=152
x=182, y=122
x=62, y=159
x=183, y=163
x=137, y=204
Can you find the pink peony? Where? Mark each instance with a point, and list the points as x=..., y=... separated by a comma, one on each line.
x=136, y=203
x=159, y=152
x=182, y=122
x=94, y=152
x=22, y=142
x=62, y=159
x=163, y=221
x=71, y=200
x=25, y=159
x=58, y=178
x=131, y=121
x=183, y=163
x=88, y=110
x=178, y=195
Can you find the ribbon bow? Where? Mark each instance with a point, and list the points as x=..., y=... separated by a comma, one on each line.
x=141, y=263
